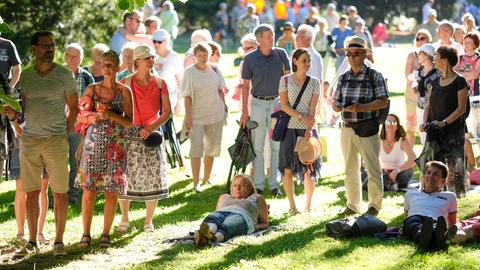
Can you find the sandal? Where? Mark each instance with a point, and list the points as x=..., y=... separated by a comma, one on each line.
x=85, y=241
x=42, y=240
x=293, y=212
x=105, y=241
x=123, y=227
x=148, y=228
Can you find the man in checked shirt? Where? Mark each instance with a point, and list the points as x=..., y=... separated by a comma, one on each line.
x=360, y=93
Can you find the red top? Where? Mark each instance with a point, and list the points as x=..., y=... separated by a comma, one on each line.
x=147, y=98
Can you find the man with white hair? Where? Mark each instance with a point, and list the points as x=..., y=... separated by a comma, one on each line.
x=131, y=23
x=73, y=57
x=431, y=24
x=304, y=39
x=332, y=17
x=445, y=37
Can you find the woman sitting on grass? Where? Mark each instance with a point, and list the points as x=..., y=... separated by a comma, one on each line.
x=241, y=213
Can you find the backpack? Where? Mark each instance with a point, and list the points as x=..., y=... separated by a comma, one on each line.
x=382, y=114
x=364, y=225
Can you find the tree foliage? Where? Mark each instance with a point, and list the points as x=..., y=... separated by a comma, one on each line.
x=85, y=21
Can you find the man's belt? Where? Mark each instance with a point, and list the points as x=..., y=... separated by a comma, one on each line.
x=265, y=98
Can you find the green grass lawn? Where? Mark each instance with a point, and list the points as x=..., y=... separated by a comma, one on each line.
x=302, y=244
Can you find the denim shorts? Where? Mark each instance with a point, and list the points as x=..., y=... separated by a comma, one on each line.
x=229, y=224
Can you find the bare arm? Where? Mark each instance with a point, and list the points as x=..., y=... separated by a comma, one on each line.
x=72, y=104
x=263, y=214
x=452, y=219
x=409, y=66
x=245, y=93
x=188, y=111
x=126, y=119
x=220, y=201
x=16, y=70
x=81, y=118
x=377, y=104
x=407, y=148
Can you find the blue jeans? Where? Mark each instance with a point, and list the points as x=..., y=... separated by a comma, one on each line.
x=229, y=224
x=73, y=142
x=260, y=113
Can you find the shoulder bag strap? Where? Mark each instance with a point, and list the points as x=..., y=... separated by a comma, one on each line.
x=304, y=86
x=135, y=99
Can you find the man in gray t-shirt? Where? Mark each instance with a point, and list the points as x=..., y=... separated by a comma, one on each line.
x=46, y=89
x=261, y=72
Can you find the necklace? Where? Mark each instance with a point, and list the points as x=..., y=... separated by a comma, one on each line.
x=389, y=144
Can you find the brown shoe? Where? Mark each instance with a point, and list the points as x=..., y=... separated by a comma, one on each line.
x=347, y=212
x=371, y=212
x=205, y=231
x=200, y=240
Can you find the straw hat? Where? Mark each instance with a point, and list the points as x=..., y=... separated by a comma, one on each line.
x=309, y=149
x=357, y=43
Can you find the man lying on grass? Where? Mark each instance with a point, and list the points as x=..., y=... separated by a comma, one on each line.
x=242, y=212
x=428, y=213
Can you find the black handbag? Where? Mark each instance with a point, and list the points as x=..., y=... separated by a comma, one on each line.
x=282, y=118
x=365, y=225
x=155, y=138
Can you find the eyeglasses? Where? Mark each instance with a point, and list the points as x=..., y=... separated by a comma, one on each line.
x=391, y=123
x=46, y=46
x=420, y=38
x=158, y=41
x=149, y=57
x=353, y=54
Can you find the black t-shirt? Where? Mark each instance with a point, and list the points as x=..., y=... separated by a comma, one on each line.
x=444, y=101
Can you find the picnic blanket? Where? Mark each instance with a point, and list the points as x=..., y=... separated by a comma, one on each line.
x=191, y=237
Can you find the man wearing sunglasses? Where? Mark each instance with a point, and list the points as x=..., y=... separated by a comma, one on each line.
x=131, y=23
x=360, y=94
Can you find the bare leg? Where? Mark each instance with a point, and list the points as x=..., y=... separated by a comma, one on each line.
x=109, y=210
x=207, y=168
x=88, y=202
x=150, y=205
x=124, y=208
x=60, y=209
x=411, y=137
x=195, y=170
x=20, y=205
x=289, y=189
x=309, y=185
x=43, y=205
x=471, y=162
x=33, y=211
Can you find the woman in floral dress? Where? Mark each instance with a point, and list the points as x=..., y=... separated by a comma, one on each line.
x=102, y=157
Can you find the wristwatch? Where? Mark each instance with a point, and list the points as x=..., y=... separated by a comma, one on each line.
x=445, y=121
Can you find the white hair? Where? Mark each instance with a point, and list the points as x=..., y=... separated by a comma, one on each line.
x=308, y=30
x=75, y=46
x=200, y=35
x=250, y=38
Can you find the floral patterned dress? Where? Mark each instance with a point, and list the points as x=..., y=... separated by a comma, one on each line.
x=103, y=159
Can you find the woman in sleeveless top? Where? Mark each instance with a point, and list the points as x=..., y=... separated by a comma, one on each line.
x=397, y=172
x=241, y=212
x=103, y=157
x=469, y=67
x=411, y=67
x=445, y=115
x=146, y=167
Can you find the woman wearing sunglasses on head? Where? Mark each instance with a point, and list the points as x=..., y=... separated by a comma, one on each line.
x=397, y=172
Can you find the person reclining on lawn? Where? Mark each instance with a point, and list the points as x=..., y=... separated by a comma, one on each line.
x=241, y=213
x=430, y=211
x=468, y=230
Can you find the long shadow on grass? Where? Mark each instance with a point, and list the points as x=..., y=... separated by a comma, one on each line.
x=285, y=243
x=75, y=253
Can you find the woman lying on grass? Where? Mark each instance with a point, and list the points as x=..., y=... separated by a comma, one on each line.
x=241, y=213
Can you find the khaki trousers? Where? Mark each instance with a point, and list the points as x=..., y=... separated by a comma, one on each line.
x=368, y=148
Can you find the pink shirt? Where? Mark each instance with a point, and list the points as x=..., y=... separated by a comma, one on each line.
x=146, y=101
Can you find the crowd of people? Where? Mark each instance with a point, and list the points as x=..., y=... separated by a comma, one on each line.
x=99, y=128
